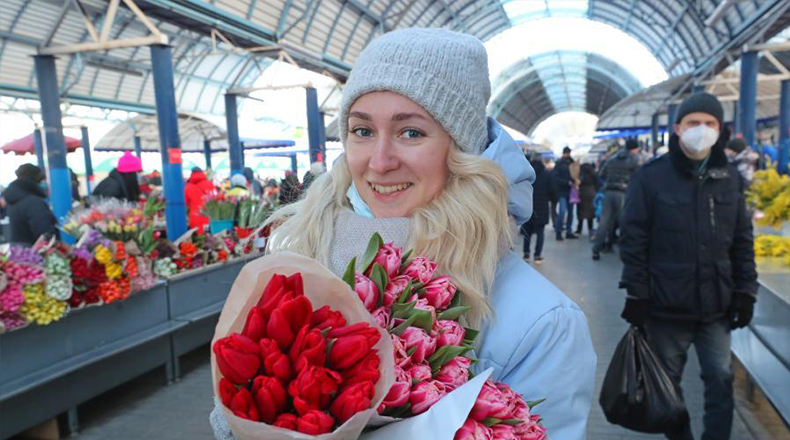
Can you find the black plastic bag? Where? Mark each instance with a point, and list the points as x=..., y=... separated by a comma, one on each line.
x=638, y=393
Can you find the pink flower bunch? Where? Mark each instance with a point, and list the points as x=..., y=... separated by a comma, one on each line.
x=501, y=414
x=12, y=320
x=17, y=275
x=421, y=311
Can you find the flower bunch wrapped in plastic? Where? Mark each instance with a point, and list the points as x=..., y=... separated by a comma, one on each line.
x=769, y=193
x=421, y=310
x=11, y=321
x=145, y=278
x=114, y=219
x=297, y=356
x=14, y=278
x=165, y=268
x=58, y=271
x=40, y=308
x=22, y=254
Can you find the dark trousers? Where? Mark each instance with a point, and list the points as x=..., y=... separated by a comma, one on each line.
x=564, y=219
x=580, y=226
x=612, y=206
x=671, y=341
x=527, y=230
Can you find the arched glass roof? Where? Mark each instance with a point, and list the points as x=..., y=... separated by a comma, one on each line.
x=559, y=81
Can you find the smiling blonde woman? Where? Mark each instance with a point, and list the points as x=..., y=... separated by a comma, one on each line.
x=425, y=168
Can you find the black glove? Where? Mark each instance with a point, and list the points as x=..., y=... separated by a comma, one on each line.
x=636, y=311
x=741, y=310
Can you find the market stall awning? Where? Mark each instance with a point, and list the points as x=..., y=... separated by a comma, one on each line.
x=27, y=145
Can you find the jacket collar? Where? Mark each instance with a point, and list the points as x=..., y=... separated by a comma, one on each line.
x=717, y=165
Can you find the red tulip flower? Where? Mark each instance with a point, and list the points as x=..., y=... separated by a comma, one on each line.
x=352, y=400
x=270, y=398
x=238, y=358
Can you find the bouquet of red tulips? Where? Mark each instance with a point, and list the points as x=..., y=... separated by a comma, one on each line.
x=296, y=355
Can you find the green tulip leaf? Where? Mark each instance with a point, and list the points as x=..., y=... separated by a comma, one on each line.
x=470, y=334
x=349, y=275
x=424, y=319
x=379, y=277
x=533, y=403
x=512, y=422
x=491, y=421
x=405, y=310
x=406, y=294
x=404, y=261
x=374, y=245
x=454, y=313
x=404, y=325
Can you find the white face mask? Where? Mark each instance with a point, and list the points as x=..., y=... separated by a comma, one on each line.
x=700, y=138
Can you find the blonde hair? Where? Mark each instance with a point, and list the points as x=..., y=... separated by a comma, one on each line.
x=464, y=229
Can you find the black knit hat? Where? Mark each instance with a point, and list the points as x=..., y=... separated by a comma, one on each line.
x=631, y=144
x=30, y=171
x=566, y=150
x=703, y=103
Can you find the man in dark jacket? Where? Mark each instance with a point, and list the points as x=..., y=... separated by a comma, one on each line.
x=542, y=194
x=616, y=173
x=687, y=247
x=28, y=212
x=562, y=183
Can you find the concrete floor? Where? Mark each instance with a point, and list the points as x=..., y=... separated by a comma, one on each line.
x=147, y=409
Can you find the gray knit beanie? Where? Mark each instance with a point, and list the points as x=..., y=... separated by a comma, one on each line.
x=443, y=71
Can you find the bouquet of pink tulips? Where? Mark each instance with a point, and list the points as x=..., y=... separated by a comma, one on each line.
x=422, y=312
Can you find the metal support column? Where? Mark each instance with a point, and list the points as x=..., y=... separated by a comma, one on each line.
x=39, y=146
x=672, y=113
x=784, y=128
x=654, y=131
x=313, y=122
x=242, y=156
x=170, y=142
x=322, y=135
x=86, y=150
x=207, y=153
x=747, y=103
x=736, y=121
x=294, y=166
x=234, y=144
x=59, y=177
x=138, y=147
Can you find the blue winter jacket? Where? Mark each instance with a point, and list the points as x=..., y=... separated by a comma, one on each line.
x=538, y=341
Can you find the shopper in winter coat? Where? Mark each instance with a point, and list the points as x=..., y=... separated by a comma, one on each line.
x=28, y=211
x=587, y=189
x=543, y=195
x=404, y=178
x=616, y=173
x=688, y=252
x=255, y=186
x=238, y=186
x=563, y=181
x=195, y=191
x=122, y=183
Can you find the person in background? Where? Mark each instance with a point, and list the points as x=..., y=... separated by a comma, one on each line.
x=563, y=182
x=255, y=188
x=75, y=186
x=238, y=186
x=587, y=189
x=122, y=183
x=688, y=253
x=28, y=211
x=543, y=194
x=289, y=188
x=272, y=192
x=195, y=191
x=743, y=157
x=316, y=169
x=616, y=173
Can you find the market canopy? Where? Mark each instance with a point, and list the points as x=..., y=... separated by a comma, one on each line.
x=27, y=145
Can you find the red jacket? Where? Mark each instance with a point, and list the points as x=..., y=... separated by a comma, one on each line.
x=196, y=188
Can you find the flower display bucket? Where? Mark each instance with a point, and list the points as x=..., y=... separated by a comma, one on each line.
x=218, y=226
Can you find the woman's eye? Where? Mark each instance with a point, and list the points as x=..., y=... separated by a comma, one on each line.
x=412, y=133
x=362, y=132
